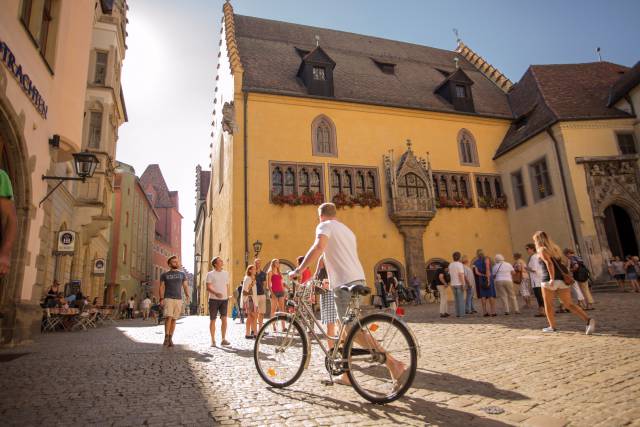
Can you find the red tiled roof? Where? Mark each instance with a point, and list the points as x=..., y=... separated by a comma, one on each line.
x=624, y=84
x=549, y=93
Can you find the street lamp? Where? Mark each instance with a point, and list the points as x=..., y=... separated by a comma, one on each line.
x=257, y=247
x=85, y=165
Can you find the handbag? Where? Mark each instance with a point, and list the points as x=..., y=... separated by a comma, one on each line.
x=517, y=274
x=567, y=277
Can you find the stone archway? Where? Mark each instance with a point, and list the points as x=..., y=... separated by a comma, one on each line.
x=14, y=158
x=621, y=231
x=389, y=265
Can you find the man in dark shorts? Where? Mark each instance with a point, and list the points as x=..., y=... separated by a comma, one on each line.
x=218, y=287
x=171, y=284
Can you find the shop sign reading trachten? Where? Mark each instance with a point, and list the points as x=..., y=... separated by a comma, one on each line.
x=28, y=86
x=66, y=241
x=99, y=266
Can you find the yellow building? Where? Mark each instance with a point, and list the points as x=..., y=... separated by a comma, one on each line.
x=47, y=50
x=304, y=115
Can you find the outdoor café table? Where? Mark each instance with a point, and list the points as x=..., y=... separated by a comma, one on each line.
x=66, y=316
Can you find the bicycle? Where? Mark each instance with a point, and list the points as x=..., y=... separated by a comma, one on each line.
x=374, y=345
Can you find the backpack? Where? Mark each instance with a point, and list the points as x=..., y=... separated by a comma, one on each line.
x=517, y=274
x=582, y=274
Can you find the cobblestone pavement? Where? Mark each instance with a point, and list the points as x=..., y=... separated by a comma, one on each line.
x=123, y=376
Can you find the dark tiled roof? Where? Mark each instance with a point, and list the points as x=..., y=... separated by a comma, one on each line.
x=548, y=93
x=269, y=51
x=625, y=83
x=152, y=176
x=205, y=178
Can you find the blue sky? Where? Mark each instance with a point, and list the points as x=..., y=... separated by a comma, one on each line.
x=169, y=71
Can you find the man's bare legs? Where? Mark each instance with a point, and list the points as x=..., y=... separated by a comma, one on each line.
x=212, y=331
x=223, y=328
x=169, y=327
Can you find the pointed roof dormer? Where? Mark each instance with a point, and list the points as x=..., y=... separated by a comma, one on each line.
x=316, y=72
x=456, y=90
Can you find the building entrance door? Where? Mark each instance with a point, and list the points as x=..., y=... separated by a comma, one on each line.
x=621, y=235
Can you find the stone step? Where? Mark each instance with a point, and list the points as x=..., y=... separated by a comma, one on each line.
x=610, y=286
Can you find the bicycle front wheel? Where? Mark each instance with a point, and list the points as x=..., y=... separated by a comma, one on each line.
x=280, y=356
x=382, y=358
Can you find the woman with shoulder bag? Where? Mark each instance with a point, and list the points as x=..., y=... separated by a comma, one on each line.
x=249, y=298
x=557, y=280
x=484, y=283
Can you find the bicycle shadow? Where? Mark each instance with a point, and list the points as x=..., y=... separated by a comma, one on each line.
x=413, y=408
x=453, y=384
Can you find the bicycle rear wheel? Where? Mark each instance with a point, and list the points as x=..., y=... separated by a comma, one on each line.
x=377, y=346
x=280, y=357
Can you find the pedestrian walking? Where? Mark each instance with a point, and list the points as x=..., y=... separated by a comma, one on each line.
x=581, y=274
x=218, y=289
x=146, y=306
x=8, y=222
x=441, y=282
x=618, y=272
x=484, y=283
x=238, y=298
x=249, y=297
x=631, y=274
x=392, y=291
x=456, y=272
x=276, y=288
x=470, y=286
x=556, y=280
x=131, y=305
x=328, y=313
x=172, y=283
x=521, y=278
x=380, y=298
x=535, y=277
x=503, y=276
x=261, y=297
x=416, y=288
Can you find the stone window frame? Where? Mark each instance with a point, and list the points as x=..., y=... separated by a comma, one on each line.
x=353, y=172
x=449, y=178
x=537, y=197
x=514, y=186
x=45, y=16
x=633, y=137
x=473, y=148
x=315, y=151
x=94, y=75
x=297, y=169
x=490, y=183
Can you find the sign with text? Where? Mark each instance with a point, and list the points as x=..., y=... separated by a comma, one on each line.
x=99, y=266
x=66, y=241
x=26, y=84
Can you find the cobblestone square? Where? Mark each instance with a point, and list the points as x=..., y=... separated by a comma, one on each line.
x=122, y=376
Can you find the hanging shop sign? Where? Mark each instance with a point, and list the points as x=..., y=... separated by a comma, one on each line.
x=99, y=266
x=28, y=86
x=66, y=241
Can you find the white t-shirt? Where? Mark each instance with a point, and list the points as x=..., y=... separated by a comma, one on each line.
x=132, y=304
x=219, y=280
x=536, y=275
x=502, y=272
x=245, y=286
x=146, y=303
x=456, y=269
x=341, y=253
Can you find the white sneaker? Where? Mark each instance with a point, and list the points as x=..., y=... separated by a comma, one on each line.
x=548, y=329
x=591, y=326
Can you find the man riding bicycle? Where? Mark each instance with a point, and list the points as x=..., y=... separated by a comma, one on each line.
x=338, y=244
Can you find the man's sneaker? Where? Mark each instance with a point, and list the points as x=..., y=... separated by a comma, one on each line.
x=225, y=342
x=591, y=326
x=549, y=329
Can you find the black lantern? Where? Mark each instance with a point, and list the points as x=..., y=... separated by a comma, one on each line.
x=257, y=247
x=85, y=164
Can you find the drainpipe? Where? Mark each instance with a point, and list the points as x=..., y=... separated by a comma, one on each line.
x=564, y=189
x=246, y=172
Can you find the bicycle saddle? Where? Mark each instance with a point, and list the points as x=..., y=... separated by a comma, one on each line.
x=356, y=289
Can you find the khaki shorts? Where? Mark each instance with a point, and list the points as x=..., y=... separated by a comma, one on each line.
x=172, y=308
x=261, y=302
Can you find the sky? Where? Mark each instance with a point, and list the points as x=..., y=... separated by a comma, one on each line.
x=168, y=76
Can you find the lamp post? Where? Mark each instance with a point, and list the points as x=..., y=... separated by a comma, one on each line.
x=197, y=268
x=257, y=247
x=85, y=165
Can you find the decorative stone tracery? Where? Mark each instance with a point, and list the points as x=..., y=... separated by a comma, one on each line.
x=412, y=204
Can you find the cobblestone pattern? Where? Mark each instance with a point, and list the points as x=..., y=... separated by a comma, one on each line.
x=122, y=376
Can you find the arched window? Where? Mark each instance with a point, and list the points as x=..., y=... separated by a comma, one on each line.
x=412, y=186
x=442, y=186
x=323, y=137
x=479, y=187
x=289, y=182
x=314, y=184
x=498, y=188
x=277, y=181
x=304, y=179
x=347, y=185
x=487, y=188
x=464, y=190
x=467, y=148
x=336, y=181
x=454, y=188
x=360, y=185
x=371, y=182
